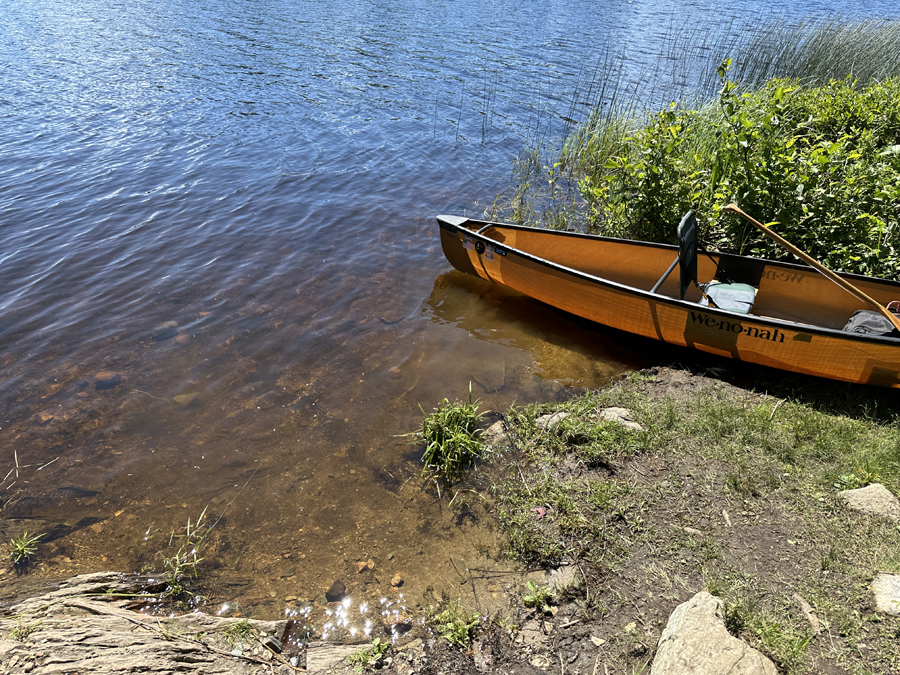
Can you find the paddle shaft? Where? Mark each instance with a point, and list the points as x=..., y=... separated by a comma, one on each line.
x=843, y=283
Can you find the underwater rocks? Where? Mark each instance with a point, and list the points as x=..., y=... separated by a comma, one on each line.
x=336, y=591
x=107, y=379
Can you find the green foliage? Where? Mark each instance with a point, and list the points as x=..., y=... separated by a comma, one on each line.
x=822, y=163
x=455, y=624
x=182, y=565
x=538, y=597
x=370, y=657
x=802, y=130
x=452, y=439
x=237, y=632
x=22, y=548
x=22, y=630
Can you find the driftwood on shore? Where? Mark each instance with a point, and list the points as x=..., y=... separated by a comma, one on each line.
x=83, y=626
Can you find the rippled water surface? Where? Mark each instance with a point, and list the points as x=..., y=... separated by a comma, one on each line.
x=220, y=278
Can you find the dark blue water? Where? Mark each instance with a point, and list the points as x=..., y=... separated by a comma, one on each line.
x=227, y=208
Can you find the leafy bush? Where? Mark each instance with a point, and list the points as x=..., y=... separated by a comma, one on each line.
x=823, y=163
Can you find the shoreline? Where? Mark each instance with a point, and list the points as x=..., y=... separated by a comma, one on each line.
x=706, y=489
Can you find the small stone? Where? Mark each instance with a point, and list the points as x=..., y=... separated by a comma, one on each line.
x=495, y=435
x=551, y=420
x=184, y=400
x=621, y=416
x=336, y=591
x=271, y=643
x=106, y=379
x=563, y=578
x=370, y=564
x=400, y=624
x=397, y=581
x=164, y=331
x=874, y=499
x=540, y=661
x=886, y=589
x=361, y=566
x=44, y=418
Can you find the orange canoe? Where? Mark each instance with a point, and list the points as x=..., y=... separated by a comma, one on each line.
x=794, y=319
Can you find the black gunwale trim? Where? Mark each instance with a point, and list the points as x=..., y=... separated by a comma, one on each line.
x=658, y=297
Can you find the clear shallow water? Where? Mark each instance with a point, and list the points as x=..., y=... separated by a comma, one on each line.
x=228, y=207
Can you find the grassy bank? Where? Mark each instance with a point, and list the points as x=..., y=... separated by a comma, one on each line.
x=722, y=489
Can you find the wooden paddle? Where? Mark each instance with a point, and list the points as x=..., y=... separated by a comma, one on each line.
x=843, y=283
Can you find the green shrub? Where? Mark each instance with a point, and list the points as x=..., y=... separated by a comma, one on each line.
x=822, y=163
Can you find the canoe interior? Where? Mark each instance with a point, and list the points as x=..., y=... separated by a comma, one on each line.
x=787, y=291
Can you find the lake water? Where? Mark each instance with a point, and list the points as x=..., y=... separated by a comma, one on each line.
x=221, y=284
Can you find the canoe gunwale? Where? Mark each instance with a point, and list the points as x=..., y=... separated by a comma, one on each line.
x=456, y=225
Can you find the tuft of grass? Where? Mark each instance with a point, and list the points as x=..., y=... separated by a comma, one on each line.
x=452, y=440
x=238, y=632
x=22, y=548
x=182, y=565
x=370, y=657
x=22, y=630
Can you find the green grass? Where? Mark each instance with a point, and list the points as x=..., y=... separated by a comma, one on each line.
x=455, y=624
x=773, y=465
x=182, y=566
x=371, y=657
x=238, y=632
x=452, y=440
x=22, y=548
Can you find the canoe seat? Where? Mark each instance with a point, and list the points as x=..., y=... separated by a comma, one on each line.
x=724, y=295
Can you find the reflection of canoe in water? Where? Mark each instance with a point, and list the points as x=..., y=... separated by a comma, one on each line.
x=775, y=314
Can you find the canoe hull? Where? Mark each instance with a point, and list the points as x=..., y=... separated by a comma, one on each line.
x=624, y=303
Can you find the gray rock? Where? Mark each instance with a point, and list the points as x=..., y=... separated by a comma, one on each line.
x=494, y=434
x=886, y=588
x=106, y=379
x=563, y=578
x=272, y=643
x=551, y=420
x=164, y=331
x=621, y=416
x=336, y=591
x=320, y=656
x=696, y=642
x=874, y=499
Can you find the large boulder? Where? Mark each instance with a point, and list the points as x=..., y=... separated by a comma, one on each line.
x=874, y=499
x=696, y=642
